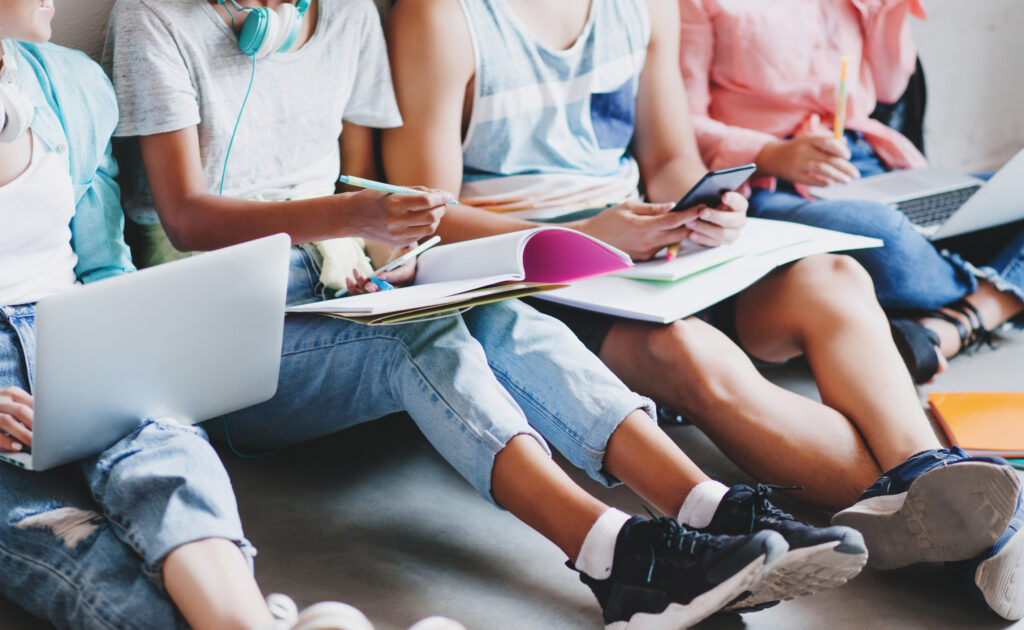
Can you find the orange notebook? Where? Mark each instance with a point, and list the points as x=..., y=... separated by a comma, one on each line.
x=983, y=423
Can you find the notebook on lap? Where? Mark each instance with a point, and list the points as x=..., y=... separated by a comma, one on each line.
x=191, y=339
x=942, y=203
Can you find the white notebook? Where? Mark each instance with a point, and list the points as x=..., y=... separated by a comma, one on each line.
x=705, y=276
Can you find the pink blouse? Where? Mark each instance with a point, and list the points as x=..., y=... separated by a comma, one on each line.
x=759, y=70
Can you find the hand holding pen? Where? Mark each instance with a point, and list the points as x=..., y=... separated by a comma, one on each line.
x=396, y=215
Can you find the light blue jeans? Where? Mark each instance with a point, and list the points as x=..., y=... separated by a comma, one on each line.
x=471, y=383
x=908, y=272
x=83, y=545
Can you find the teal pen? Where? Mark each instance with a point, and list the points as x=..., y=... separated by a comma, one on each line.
x=369, y=184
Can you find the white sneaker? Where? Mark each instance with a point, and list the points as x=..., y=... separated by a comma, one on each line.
x=437, y=623
x=322, y=616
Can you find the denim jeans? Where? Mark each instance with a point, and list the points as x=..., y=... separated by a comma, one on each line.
x=471, y=383
x=908, y=272
x=83, y=545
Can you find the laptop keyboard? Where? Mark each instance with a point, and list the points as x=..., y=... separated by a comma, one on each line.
x=935, y=209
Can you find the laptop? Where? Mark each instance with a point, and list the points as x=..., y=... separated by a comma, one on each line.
x=942, y=203
x=190, y=340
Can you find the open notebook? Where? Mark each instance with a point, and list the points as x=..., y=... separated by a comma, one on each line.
x=662, y=291
x=455, y=277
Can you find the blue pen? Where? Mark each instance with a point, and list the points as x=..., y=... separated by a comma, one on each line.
x=369, y=184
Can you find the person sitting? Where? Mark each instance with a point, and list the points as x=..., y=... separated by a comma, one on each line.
x=541, y=111
x=756, y=96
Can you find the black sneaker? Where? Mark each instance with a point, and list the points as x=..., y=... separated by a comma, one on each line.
x=668, y=576
x=818, y=557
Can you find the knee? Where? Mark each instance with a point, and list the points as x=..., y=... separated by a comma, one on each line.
x=686, y=352
x=830, y=281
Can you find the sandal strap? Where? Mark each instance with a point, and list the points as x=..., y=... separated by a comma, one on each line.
x=963, y=331
x=973, y=338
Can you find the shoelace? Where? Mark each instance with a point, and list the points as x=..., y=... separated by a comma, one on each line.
x=670, y=535
x=763, y=507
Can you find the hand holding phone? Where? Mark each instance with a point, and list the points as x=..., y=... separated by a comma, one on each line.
x=715, y=227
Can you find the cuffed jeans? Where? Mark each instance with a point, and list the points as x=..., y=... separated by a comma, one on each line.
x=908, y=272
x=471, y=383
x=83, y=545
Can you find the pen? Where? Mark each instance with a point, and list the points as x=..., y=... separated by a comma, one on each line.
x=369, y=184
x=840, y=120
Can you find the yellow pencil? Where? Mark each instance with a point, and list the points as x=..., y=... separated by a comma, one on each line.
x=840, y=121
x=673, y=251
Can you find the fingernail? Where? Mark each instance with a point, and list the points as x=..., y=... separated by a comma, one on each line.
x=15, y=446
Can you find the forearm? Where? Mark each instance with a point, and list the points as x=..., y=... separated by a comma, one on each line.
x=462, y=222
x=669, y=182
x=205, y=221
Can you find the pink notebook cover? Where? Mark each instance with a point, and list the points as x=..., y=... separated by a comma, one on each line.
x=562, y=256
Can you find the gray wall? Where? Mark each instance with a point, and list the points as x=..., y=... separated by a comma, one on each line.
x=972, y=52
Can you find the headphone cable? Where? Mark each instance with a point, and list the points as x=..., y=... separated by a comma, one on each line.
x=224, y=171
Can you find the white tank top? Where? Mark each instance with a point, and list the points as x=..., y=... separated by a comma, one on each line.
x=36, y=258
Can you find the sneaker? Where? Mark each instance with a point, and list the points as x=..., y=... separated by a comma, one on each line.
x=437, y=623
x=818, y=557
x=322, y=616
x=668, y=576
x=996, y=577
x=938, y=506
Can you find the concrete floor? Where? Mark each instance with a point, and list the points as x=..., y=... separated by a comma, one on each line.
x=374, y=517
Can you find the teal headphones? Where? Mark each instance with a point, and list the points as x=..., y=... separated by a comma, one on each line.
x=267, y=31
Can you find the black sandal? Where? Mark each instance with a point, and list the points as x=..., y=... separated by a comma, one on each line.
x=970, y=338
x=919, y=347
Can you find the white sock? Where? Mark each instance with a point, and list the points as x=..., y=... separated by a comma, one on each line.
x=700, y=505
x=598, y=550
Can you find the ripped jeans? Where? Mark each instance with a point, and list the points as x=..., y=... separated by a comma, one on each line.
x=83, y=545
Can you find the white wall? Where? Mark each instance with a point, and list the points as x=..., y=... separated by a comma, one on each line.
x=972, y=52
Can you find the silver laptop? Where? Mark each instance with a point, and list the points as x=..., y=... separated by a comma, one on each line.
x=190, y=340
x=942, y=203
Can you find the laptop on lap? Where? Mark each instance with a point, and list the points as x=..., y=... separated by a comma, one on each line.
x=192, y=340
x=942, y=203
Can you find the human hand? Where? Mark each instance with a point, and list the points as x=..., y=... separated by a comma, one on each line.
x=721, y=225
x=815, y=159
x=16, y=410
x=639, y=229
x=398, y=277
x=394, y=219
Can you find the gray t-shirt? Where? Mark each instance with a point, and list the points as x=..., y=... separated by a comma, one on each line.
x=175, y=63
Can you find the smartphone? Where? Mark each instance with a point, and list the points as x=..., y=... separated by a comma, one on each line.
x=713, y=185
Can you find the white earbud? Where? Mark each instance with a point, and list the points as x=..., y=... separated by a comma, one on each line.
x=16, y=113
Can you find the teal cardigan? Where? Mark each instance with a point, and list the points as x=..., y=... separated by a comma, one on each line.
x=75, y=116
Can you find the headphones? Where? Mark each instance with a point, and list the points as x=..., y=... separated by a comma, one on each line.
x=267, y=31
x=15, y=113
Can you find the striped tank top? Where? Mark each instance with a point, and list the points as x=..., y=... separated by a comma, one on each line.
x=550, y=129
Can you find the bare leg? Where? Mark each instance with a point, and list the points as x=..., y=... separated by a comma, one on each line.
x=527, y=483
x=211, y=584
x=774, y=434
x=824, y=307
x=648, y=461
x=995, y=306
